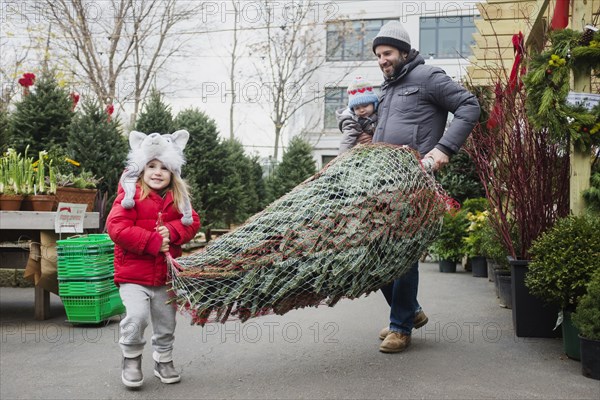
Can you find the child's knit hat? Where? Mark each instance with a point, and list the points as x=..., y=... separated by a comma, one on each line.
x=360, y=92
x=168, y=149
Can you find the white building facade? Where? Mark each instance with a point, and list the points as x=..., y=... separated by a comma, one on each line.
x=441, y=30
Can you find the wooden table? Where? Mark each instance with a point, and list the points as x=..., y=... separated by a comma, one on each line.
x=16, y=225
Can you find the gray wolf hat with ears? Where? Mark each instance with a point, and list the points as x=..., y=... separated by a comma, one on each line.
x=168, y=149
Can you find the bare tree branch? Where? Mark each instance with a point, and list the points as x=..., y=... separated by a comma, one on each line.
x=132, y=41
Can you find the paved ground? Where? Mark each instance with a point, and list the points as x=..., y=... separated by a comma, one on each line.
x=468, y=350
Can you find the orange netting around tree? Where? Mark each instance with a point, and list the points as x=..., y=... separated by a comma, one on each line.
x=356, y=225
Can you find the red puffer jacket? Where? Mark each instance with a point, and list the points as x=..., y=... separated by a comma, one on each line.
x=137, y=244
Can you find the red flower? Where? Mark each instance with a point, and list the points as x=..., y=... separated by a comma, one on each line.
x=74, y=99
x=27, y=80
x=109, y=110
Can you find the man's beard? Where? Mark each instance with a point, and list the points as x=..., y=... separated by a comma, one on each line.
x=392, y=69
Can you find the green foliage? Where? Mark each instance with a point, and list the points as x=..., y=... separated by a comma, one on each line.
x=82, y=180
x=17, y=174
x=592, y=194
x=205, y=169
x=587, y=315
x=475, y=232
x=548, y=85
x=473, y=205
x=491, y=245
x=459, y=178
x=97, y=144
x=296, y=166
x=4, y=129
x=240, y=182
x=449, y=243
x=478, y=219
x=42, y=118
x=260, y=187
x=563, y=260
x=156, y=116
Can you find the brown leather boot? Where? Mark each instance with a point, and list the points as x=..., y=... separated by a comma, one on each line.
x=395, y=342
x=420, y=320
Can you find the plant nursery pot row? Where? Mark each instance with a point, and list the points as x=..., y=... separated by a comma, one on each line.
x=11, y=202
x=40, y=202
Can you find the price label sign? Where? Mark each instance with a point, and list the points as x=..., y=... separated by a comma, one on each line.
x=69, y=218
x=587, y=100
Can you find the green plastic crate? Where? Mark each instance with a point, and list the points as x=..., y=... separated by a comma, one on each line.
x=85, y=256
x=86, y=286
x=93, y=309
x=85, y=246
x=90, y=267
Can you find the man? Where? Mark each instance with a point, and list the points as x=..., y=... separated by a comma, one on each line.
x=413, y=111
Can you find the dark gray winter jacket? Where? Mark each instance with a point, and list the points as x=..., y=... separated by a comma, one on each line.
x=414, y=106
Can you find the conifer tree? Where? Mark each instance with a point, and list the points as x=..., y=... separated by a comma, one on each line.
x=236, y=187
x=296, y=166
x=42, y=118
x=95, y=141
x=156, y=116
x=4, y=133
x=204, y=169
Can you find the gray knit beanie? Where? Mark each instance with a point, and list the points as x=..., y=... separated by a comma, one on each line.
x=393, y=34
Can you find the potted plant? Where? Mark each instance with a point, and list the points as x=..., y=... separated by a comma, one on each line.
x=42, y=195
x=563, y=260
x=448, y=245
x=525, y=172
x=473, y=242
x=77, y=188
x=16, y=176
x=587, y=319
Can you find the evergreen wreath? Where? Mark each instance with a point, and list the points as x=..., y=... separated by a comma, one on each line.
x=548, y=84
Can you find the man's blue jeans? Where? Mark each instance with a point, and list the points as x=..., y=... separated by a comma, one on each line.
x=401, y=295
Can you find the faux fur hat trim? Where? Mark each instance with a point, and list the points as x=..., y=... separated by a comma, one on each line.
x=167, y=148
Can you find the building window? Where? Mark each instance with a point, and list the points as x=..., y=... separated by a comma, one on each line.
x=326, y=159
x=336, y=98
x=351, y=40
x=447, y=37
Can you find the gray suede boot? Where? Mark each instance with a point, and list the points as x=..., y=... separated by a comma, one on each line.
x=132, y=376
x=165, y=371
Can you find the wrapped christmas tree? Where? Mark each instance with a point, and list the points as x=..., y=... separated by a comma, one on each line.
x=356, y=225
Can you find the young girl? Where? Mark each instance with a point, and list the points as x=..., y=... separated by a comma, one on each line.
x=142, y=235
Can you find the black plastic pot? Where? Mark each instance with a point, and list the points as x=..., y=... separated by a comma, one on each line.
x=590, y=357
x=503, y=279
x=570, y=334
x=491, y=267
x=532, y=317
x=447, y=266
x=479, y=267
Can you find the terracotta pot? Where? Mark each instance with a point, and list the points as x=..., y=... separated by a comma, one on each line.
x=44, y=202
x=39, y=202
x=11, y=202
